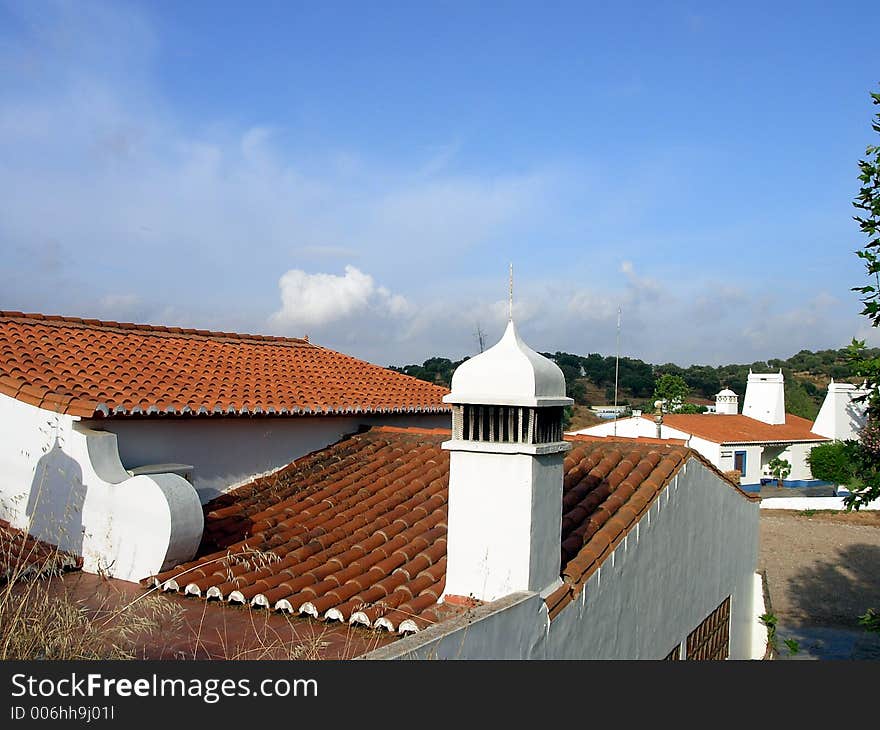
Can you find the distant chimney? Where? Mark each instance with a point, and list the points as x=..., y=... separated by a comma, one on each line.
x=765, y=397
x=505, y=472
x=727, y=402
x=840, y=417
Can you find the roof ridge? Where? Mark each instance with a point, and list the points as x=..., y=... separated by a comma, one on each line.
x=156, y=329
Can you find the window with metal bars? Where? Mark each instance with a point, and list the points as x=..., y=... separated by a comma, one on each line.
x=507, y=424
x=711, y=639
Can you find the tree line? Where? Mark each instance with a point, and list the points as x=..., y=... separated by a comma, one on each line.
x=638, y=380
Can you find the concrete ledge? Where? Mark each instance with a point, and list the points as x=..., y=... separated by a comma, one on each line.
x=817, y=503
x=469, y=635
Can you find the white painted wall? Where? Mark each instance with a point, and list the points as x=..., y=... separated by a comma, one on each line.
x=697, y=545
x=760, y=633
x=709, y=449
x=633, y=428
x=228, y=452
x=796, y=455
x=504, y=522
x=754, y=464
x=64, y=484
x=765, y=397
x=839, y=418
x=815, y=503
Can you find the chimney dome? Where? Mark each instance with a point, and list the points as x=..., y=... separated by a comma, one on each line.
x=510, y=373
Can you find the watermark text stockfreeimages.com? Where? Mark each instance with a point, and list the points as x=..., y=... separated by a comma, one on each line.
x=96, y=685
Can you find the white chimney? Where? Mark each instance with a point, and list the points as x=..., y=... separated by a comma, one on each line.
x=765, y=397
x=505, y=472
x=839, y=417
x=727, y=402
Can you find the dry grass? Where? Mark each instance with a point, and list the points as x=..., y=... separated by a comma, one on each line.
x=39, y=623
x=41, y=619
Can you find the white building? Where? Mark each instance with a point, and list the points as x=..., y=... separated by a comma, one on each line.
x=113, y=435
x=500, y=538
x=746, y=442
x=842, y=416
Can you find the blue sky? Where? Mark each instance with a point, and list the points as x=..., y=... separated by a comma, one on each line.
x=364, y=172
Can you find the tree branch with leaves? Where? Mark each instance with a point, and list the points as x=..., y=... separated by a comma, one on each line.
x=867, y=458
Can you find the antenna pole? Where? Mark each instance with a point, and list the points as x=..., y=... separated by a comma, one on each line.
x=616, y=370
x=510, y=296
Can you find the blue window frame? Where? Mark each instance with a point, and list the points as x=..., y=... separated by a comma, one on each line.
x=739, y=462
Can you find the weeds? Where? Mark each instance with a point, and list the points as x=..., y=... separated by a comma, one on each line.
x=770, y=621
x=41, y=618
x=870, y=620
x=39, y=621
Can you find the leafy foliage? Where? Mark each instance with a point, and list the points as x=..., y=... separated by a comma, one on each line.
x=780, y=468
x=799, y=399
x=692, y=408
x=868, y=201
x=866, y=485
x=435, y=370
x=870, y=620
x=672, y=389
x=637, y=379
x=834, y=462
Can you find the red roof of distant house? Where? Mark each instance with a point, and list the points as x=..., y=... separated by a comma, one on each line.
x=357, y=531
x=90, y=368
x=734, y=429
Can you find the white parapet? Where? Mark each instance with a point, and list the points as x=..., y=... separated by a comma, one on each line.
x=811, y=503
x=65, y=484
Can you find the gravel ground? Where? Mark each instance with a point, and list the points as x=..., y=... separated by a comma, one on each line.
x=823, y=572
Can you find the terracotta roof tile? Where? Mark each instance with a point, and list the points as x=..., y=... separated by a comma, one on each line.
x=357, y=532
x=22, y=556
x=91, y=368
x=724, y=429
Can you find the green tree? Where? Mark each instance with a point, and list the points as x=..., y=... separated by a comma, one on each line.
x=835, y=462
x=691, y=408
x=779, y=468
x=672, y=389
x=798, y=401
x=863, y=363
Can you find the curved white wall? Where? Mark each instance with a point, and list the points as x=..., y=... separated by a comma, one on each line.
x=64, y=483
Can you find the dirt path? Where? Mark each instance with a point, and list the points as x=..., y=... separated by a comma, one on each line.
x=823, y=572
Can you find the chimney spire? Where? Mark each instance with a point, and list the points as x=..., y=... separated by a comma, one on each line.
x=510, y=296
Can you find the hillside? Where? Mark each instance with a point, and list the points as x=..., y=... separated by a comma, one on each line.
x=590, y=378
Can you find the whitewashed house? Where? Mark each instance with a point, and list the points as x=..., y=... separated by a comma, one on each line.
x=112, y=435
x=499, y=538
x=746, y=442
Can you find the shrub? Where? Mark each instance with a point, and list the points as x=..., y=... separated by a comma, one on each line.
x=835, y=462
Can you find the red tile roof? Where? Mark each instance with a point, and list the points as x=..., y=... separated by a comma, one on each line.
x=90, y=368
x=734, y=429
x=22, y=556
x=357, y=531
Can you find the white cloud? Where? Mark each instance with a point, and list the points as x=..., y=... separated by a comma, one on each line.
x=114, y=205
x=316, y=300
